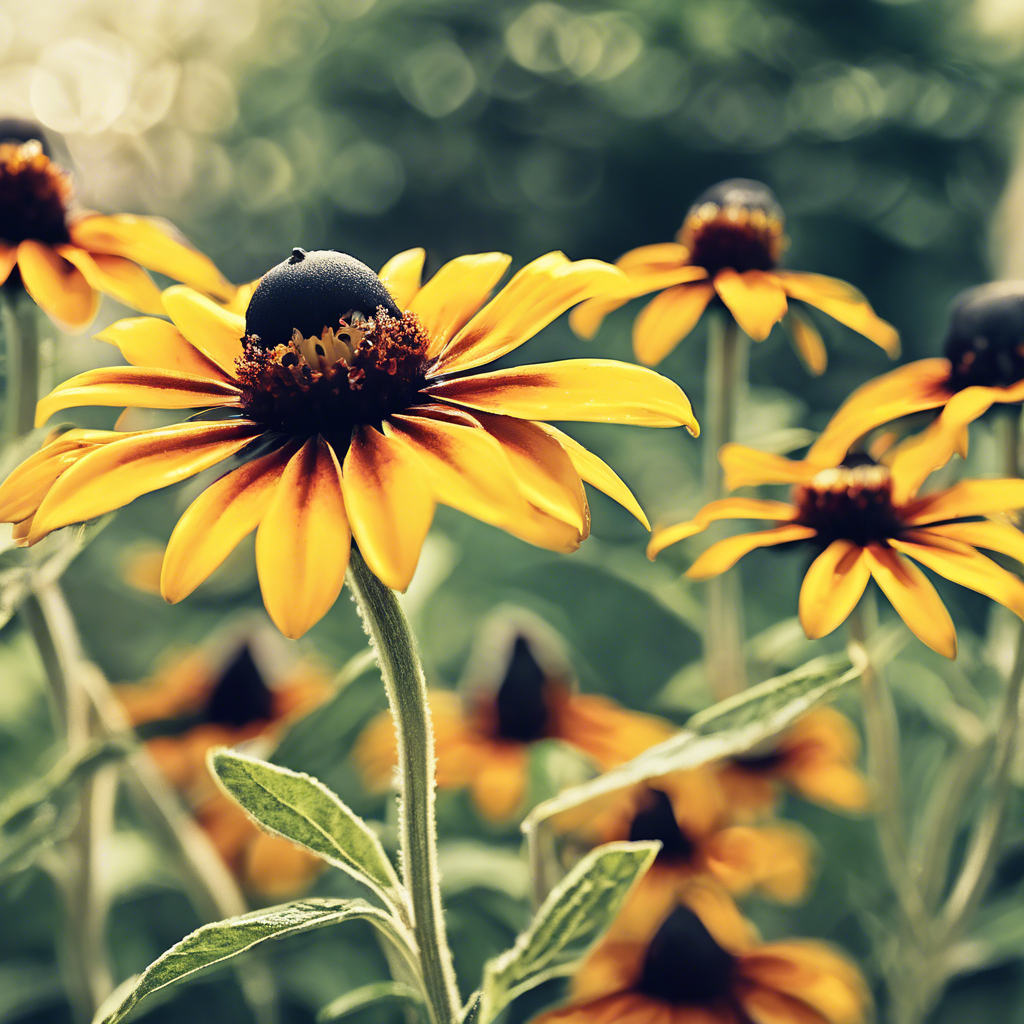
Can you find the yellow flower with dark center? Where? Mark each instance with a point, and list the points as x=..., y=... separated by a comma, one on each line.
x=201, y=701
x=867, y=521
x=690, y=958
x=728, y=251
x=483, y=741
x=357, y=404
x=65, y=258
x=816, y=758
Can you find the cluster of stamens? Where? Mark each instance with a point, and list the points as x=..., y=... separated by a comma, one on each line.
x=34, y=195
x=738, y=237
x=850, y=503
x=358, y=372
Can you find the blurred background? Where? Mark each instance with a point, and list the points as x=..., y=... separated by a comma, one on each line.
x=890, y=131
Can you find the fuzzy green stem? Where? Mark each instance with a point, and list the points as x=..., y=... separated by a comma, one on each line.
x=406, y=688
x=19, y=320
x=724, y=383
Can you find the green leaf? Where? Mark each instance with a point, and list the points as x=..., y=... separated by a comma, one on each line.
x=730, y=727
x=575, y=915
x=304, y=810
x=366, y=995
x=212, y=944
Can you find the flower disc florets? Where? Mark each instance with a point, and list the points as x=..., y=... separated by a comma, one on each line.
x=34, y=191
x=849, y=503
x=735, y=224
x=985, y=343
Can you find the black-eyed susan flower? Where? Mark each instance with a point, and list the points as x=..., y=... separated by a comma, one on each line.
x=357, y=402
x=728, y=251
x=815, y=758
x=867, y=521
x=483, y=737
x=691, y=958
x=65, y=258
x=208, y=698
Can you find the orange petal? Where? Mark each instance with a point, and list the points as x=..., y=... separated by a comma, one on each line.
x=669, y=318
x=807, y=342
x=137, y=386
x=713, y=512
x=832, y=587
x=831, y=783
x=774, y=860
x=215, y=331
x=500, y=782
x=146, y=341
x=303, y=540
x=1001, y=537
x=765, y=1006
x=401, y=275
x=726, y=553
x=747, y=467
x=389, y=504
x=914, y=598
x=60, y=289
x=214, y=524
x=754, y=298
x=117, y=277
x=969, y=498
x=8, y=259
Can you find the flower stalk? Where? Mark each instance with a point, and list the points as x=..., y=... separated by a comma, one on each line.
x=19, y=321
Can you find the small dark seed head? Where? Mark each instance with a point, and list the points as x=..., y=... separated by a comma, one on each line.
x=985, y=342
x=17, y=129
x=741, y=192
x=310, y=291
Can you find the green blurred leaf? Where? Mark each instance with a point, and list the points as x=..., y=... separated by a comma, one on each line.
x=574, y=916
x=367, y=995
x=304, y=810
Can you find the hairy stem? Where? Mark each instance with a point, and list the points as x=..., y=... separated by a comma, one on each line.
x=20, y=324
x=406, y=688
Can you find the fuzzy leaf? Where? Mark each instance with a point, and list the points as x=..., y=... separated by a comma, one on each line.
x=366, y=995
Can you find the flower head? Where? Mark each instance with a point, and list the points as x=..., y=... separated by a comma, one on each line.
x=867, y=521
x=64, y=257
x=729, y=249
x=352, y=404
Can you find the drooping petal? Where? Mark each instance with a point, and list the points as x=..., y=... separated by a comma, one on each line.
x=401, y=275
x=153, y=244
x=914, y=598
x=968, y=498
x=713, y=512
x=448, y=300
x=146, y=341
x=115, y=276
x=389, y=504
x=303, y=540
x=765, y=1006
x=60, y=289
x=655, y=257
x=726, y=553
x=807, y=342
x=137, y=386
x=243, y=296
x=1001, y=537
x=668, y=318
x=536, y=295
x=832, y=587
x=215, y=523
x=597, y=473
x=119, y=472
x=215, y=331
x=747, y=467
x=8, y=259
x=776, y=860
x=592, y=390
x=755, y=299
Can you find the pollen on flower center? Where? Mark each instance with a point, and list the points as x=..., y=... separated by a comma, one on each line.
x=34, y=191
x=985, y=344
x=849, y=502
x=736, y=224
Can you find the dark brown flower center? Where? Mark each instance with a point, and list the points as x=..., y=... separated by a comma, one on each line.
x=685, y=965
x=657, y=820
x=34, y=195
x=760, y=764
x=521, y=709
x=985, y=344
x=849, y=503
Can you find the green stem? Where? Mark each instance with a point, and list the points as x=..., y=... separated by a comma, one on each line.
x=19, y=320
x=406, y=688
x=725, y=380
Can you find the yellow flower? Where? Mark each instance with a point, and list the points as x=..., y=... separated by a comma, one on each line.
x=867, y=521
x=357, y=404
x=483, y=742
x=690, y=958
x=729, y=248
x=66, y=258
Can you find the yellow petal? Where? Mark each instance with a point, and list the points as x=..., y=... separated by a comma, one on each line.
x=597, y=473
x=844, y=303
x=303, y=541
x=968, y=498
x=914, y=598
x=401, y=275
x=153, y=244
x=775, y=860
x=807, y=342
x=766, y=1006
x=669, y=318
x=8, y=260
x=754, y=298
x=60, y=289
x=592, y=390
x=655, y=257
x=146, y=341
x=239, y=303
x=389, y=504
x=137, y=386
x=120, y=471
x=832, y=587
x=536, y=295
x=213, y=525
x=747, y=467
x=117, y=277
x=726, y=553
x=713, y=512
x=215, y=331
x=447, y=301
x=1001, y=537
